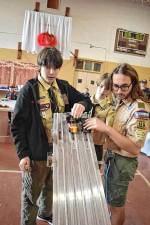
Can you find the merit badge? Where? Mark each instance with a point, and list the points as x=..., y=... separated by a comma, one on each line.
x=141, y=124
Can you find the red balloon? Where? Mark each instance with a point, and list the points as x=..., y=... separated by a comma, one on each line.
x=46, y=40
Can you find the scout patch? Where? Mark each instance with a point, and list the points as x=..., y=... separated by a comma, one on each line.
x=141, y=124
x=140, y=134
x=141, y=114
x=44, y=107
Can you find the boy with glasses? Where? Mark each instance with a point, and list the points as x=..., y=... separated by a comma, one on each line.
x=123, y=87
x=125, y=137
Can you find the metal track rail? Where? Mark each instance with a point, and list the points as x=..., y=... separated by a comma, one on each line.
x=78, y=197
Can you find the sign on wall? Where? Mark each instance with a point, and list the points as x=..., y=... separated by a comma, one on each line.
x=131, y=42
x=36, y=23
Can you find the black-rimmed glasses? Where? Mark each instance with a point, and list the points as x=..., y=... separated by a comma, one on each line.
x=123, y=87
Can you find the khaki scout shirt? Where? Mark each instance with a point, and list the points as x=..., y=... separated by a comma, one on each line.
x=103, y=111
x=45, y=106
x=132, y=119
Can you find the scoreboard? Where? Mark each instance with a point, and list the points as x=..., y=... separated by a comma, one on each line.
x=131, y=42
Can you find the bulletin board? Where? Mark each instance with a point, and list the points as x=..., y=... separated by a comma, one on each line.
x=131, y=42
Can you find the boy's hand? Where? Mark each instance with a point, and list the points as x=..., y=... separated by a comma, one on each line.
x=77, y=110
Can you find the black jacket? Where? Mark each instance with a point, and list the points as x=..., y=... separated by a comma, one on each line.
x=27, y=127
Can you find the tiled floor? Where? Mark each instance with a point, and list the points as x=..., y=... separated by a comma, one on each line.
x=138, y=201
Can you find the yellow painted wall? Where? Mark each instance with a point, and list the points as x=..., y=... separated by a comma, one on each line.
x=11, y=54
x=143, y=72
x=67, y=70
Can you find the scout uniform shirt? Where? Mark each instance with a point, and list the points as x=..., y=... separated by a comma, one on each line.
x=104, y=112
x=131, y=120
x=45, y=105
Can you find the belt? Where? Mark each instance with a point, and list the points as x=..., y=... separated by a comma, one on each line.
x=109, y=155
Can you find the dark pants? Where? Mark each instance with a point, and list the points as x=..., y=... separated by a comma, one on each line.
x=37, y=193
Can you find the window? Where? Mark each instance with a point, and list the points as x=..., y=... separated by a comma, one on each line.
x=97, y=67
x=88, y=65
x=79, y=64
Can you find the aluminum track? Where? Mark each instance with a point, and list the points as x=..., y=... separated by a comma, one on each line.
x=78, y=195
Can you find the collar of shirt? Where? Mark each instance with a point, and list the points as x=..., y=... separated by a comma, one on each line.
x=128, y=102
x=46, y=85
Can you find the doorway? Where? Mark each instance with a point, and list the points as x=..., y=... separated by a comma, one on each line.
x=84, y=80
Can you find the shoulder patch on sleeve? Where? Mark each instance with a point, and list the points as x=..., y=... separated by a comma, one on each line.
x=141, y=114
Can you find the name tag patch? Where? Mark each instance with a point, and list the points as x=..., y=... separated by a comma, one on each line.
x=44, y=107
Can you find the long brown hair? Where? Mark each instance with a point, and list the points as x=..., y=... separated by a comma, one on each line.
x=128, y=70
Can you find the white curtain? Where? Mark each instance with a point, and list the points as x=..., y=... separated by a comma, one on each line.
x=39, y=22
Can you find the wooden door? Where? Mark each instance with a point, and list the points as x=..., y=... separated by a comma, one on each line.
x=86, y=80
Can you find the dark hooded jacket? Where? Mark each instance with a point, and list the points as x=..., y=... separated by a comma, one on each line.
x=27, y=128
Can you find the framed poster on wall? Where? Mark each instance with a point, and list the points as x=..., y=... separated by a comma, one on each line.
x=131, y=42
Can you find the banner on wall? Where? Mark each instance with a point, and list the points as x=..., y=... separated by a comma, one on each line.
x=16, y=73
x=40, y=22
